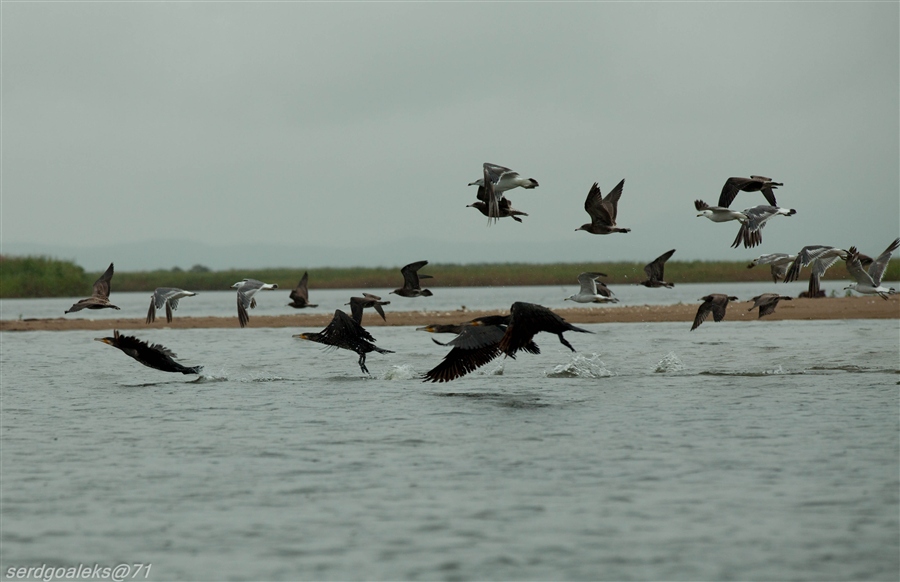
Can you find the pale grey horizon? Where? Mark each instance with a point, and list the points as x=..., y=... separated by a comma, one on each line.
x=258, y=134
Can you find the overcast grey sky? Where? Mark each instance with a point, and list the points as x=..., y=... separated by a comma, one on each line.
x=308, y=134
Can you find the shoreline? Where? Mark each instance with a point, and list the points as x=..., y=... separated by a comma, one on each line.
x=827, y=308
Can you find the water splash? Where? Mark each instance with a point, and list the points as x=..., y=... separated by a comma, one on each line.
x=581, y=367
x=403, y=372
x=670, y=363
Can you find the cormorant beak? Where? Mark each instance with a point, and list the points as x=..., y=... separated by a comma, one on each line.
x=106, y=340
x=300, y=335
x=426, y=328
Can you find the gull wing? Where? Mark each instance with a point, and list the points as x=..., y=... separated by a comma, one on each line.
x=655, y=269
x=876, y=269
x=410, y=274
x=301, y=291
x=101, y=285
x=855, y=268
x=730, y=190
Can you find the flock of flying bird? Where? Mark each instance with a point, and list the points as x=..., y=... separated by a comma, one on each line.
x=483, y=339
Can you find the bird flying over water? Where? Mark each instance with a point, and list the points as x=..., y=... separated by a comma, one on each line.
x=151, y=355
x=592, y=290
x=752, y=184
x=99, y=298
x=603, y=210
x=527, y=320
x=246, y=289
x=869, y=282
x=819, y=258
x=477, y=342
x=714, y=303
x=767, y=302
x=358, y=304
x=346, y=334
x=655, y=271
x=300, y=294
x=411, y=278
x=167, y=296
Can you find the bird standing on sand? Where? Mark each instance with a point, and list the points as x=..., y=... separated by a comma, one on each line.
x=169, y=297
x=752, y=184
x=99, y=298
x=869, y=282
x=344, y=333
x=714, y=303
x=767, y=302
x=819, y=258
x=151, y=355
x=655, y=271
x=592, y=290
x=494, y=182
x=358, y=304
x=411, y=278
x=603, y=210
x=246, y=289
x=300, y=294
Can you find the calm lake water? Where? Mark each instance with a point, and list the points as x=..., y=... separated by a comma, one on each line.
x=765, y=450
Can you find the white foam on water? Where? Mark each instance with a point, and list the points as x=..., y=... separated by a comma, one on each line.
x=670, y=363
x=401, y=372
x=581, y=367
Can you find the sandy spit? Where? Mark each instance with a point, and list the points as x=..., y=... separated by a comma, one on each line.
x=798, y=309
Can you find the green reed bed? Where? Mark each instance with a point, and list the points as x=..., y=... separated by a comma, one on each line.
x=45, y=277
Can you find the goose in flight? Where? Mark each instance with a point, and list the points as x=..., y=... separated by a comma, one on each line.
x=169, y=297
x=99, y=298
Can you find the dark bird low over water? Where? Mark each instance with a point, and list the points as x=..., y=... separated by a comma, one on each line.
x=714, y=303
x=358, y=304
x=99, y=298
x=602, y=210
x=300, y=294
x=169, y=297
x=151, y=355
x=529, y=319
x=344, y=333
x=411, y=276
x=767, y=302
x=477, y=343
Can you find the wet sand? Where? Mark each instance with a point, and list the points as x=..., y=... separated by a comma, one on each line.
x=798, y=309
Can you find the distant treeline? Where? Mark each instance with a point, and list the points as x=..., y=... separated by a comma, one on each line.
x=46, y=277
